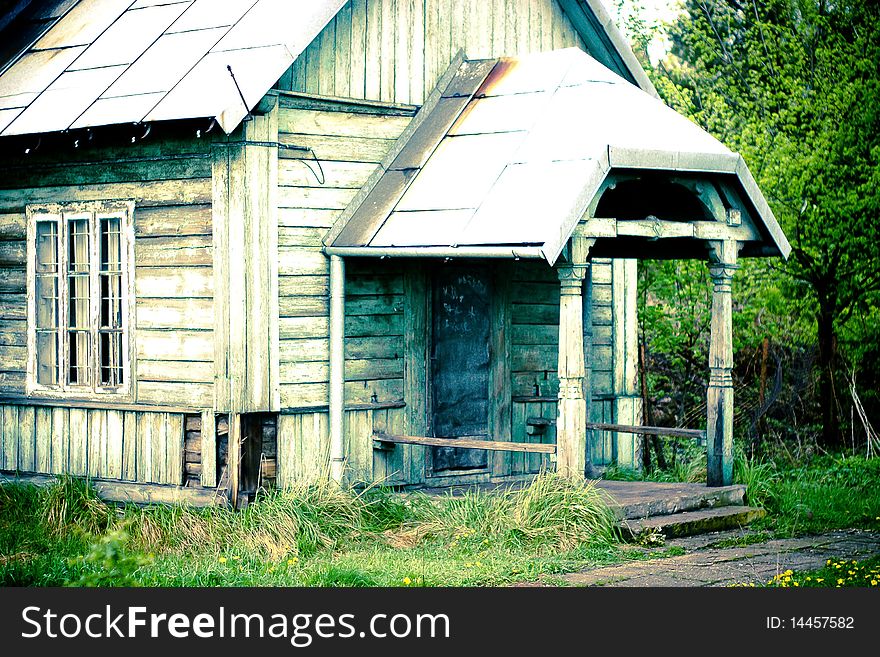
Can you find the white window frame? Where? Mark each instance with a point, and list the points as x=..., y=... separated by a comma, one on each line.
x=94, y=212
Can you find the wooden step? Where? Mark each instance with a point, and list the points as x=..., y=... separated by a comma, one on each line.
x=648, y=499
x=688, y=523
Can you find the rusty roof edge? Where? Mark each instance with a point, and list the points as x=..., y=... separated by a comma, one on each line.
x=421, y=116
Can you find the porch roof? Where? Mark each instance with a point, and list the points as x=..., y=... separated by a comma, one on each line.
x=67, y=64
x=506, y=155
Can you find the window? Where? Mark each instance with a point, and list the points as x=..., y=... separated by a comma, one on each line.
x=79, y=300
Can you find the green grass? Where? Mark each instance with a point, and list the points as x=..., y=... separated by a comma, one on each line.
x=311, y=535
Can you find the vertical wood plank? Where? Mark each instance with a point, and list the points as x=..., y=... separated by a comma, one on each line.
x=27, y=434
x=174, y=438
x=156, y=422
x=209, y=449
x=358, y=48
x=388, y=35
x=97, y=428
x=43, y=429
x=373, y=51
x=234, y=457
x=402, y=50
x=10, y=437
x=499, y=363
x=327, y=66
x=359, y=446
x=129, y=446
x=115, y=441
x=415, y=380
x=220, y=236
x=433, y=63
x=417, y=89
x=62, y=439
x=145, y=448
x=444, y=46
x=342, y=54
x=499, y=18
x=79, y=441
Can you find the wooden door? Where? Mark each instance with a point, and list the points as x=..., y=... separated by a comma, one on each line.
x=460, y=364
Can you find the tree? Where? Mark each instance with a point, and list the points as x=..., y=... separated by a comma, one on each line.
x=794, y=86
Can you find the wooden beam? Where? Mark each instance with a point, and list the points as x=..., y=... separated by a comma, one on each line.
x=466, y=442
x=651, y=431
x=571, y=431
x=719, y=395
x=117, y=491
x=665, y=229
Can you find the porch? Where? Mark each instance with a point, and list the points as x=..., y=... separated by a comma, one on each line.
x=548, y=158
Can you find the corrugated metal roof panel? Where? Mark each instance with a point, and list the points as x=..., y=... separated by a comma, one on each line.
x=83, y=24
x=63, y=101
x=165, y=63
x=129, y=37
x=205, y=14
x=20, y=86
x=159, y=60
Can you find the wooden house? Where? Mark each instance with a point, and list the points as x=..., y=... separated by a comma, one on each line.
x=248, y=242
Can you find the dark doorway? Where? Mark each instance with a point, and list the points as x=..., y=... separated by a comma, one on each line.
x=460, y=364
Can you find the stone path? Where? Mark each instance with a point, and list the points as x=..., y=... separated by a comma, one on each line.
x=703, y=564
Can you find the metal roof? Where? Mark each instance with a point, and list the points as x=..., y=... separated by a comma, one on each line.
x=506, y=155
x=87, y=63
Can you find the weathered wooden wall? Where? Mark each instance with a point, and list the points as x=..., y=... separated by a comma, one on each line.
x=396, y=50
x=170, y=181
x=349, y=140
x=134, y=446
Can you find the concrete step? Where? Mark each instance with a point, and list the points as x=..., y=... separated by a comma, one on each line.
x=688, y=523
x=634, y=500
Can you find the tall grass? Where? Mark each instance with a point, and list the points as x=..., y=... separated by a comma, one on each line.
x=352, y=538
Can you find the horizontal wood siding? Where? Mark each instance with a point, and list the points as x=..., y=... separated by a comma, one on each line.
x=170, y=181
x=348, y=145
x=135, y=446
x=396, y=50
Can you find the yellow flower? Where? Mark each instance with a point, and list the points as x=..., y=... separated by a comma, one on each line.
x=873, y=582
x=291, y=562
x=236, y=558
x=820, y=579
x=840, y=581
x=222, y=559
x=479, y=564
x=407, y=581
x=468, y=565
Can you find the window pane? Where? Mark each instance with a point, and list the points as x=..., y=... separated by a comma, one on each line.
x=111, y=359
x=47, y=247
x=78, y=246
x=78, y=302
x=111, y=301
x=47, y=302
x=47, y=358
x=111, y=253
x=78, y=357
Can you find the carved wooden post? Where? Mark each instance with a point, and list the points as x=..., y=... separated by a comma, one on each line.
x=719, y=398
x=571, y=429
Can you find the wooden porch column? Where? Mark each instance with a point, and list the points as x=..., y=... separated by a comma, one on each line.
x=719, y=411
x=571, y=420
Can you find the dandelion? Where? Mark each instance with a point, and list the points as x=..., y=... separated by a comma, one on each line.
x=236, y=558
x=873, y=582
x=291, y=562
x=840, y=581
x=820, y=579
x=407, y=581
x=479, y=565
x=469, y=565
x=222, y=559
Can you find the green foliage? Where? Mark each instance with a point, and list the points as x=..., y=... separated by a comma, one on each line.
x=836, y=573
x=794, y=86
x=108, y=564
